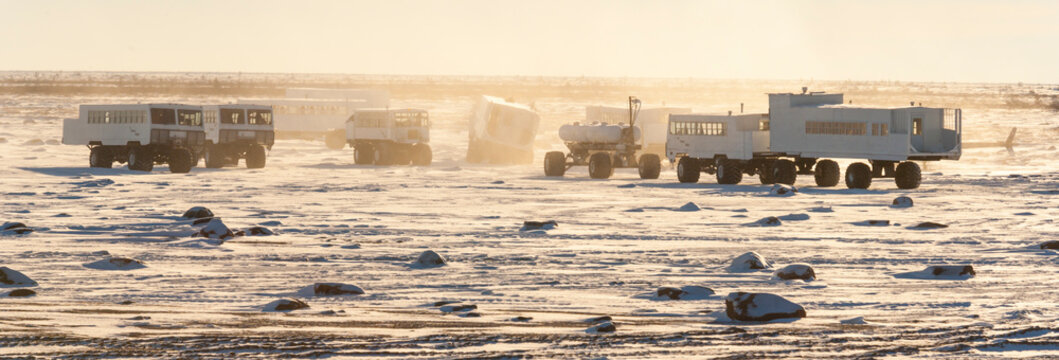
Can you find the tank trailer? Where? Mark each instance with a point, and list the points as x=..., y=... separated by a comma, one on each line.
x=603, y=147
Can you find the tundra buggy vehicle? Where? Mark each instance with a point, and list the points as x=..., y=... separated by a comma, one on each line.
x=501, y=132
x=236, y=132
x=803, y=132
x=314, y=114
x=603, y=147
x=390, y=136
x=141, y=135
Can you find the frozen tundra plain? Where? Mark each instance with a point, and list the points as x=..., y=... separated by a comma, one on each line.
x=618, y=241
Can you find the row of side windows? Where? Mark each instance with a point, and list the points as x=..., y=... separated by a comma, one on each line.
x=117, y=117
x=835, y=128
x=310, y=109
x=698, y=128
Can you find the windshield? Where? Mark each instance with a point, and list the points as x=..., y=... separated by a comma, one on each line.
x=259, y=117
x=410, y=119
x=189, y=117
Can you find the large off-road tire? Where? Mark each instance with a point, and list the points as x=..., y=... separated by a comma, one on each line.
x=728, y=172
x=826, y=173
x=421, y=155
x=554, y=163
x=650, y=166
x=363, y=154
x=141, y=159
x=335, y=140
x=858, y=176
x=688, y=170
x=180, y=160
x=599, y=166
x=784, y=172
x=383, y=155
x=255, y=157
x=99, y=158
x=214, y=157
x=764, y=173
x=908, y=175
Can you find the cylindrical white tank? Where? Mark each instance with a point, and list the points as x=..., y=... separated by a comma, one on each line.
x=595, y=133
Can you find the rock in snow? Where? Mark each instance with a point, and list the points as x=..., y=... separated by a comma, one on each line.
x=783, y=190
x=448, y=309
x=14, y=228
x=607, y=327
x=538, y=225
x=336, y=289
x=259, y=231
x=12, y=278
x=22, y=293
x=940, y=272
x=750, y=261
x=902, y=202
x=286, y=305
x=930, y=225
x=690, y=206
x=796, y=271
x=429, y=258
x=215, y=229
x=1052, y=245
x=115, y=263
x=743, y=306
x=690, y=292
x=198, y=212
x=768, y=221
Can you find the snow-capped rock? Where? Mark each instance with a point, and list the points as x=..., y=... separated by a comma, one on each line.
x=767, y=221
x=690, y=206
x=215, y=229
x=750, y=261
x=743, y=306
x=115, y=263
x=783, y=190
x=286, y=305
x=429, y=258
x=15, y=228
x=198, y=212
x=796, y=271
x=940, y=272
x=259, y=231
x=902, y=202
x=12, y=278
x=606, y=327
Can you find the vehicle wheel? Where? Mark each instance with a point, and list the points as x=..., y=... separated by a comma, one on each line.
x=688, y=170
x=858, y=176
x=764, y=173
x=728, y=172
x=826, y=173
x=214, y=157
x=784, y=172
x=141, y=159
x=421, y=155
x=908, y=175
x=554, y=163
x=99, y=158
x=382, y=154
x=650, y=166
x=335, y=140
x=179, y=160
x=255, y=157
x=363, y=154
x=599, y=166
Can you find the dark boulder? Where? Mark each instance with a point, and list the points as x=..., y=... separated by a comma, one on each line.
x=198, y=212
x=1051, y=245
x=539, y=225
x=902, y=202
x=336, y=289
x=795, y=272
x=12, y=278
x=16, y=228
x=690, y=292
x=22, y=293
x=930, y=225
x=286, y=305
x=429, y=258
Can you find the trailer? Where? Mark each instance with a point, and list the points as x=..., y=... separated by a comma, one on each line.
x=603, y=147
x=501, y=132
x=804, y=132
x=237, y=131
x=652, y=121
x=390, y=137
x=141, y=135
x=313, y=114
x=727, y=146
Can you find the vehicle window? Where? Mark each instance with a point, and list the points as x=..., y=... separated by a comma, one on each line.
x=189, y=117
x=163, y=116
x=232, y=116
x=259, y=117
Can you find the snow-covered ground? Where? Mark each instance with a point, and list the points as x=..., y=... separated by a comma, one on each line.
x=617, y=242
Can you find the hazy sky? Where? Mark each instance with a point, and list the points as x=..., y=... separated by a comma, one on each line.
x=949, y=40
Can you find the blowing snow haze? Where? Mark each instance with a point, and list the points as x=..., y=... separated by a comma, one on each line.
x=486, y=179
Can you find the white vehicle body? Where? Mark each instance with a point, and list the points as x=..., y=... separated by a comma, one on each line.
x=319, y=110
x=390, y=137
x=653, y=122
x=817, y=125
x=239, y=123
x=406, y=126
x=502, y=132
x=141, y=135
x=139, y=124
x=740, y=137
